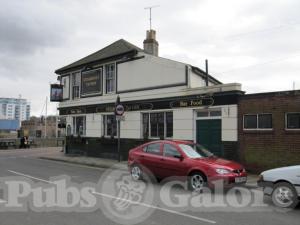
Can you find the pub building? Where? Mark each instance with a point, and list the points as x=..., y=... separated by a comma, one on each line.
x=162, y=98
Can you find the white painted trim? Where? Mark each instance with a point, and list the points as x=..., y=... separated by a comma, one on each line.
x=285, y=127
x=257, y=129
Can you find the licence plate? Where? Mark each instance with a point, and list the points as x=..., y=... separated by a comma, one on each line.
x=240, y=179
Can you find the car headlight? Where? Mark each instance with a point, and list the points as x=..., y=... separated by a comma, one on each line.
x=222, y=171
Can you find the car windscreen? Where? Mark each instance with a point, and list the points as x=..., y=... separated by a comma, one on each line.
x=195, y=151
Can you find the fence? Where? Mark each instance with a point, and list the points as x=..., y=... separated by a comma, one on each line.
x=13, y=143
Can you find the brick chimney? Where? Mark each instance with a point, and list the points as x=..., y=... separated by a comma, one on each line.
x=150, y=43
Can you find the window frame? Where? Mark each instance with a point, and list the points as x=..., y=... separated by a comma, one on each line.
x=257, y=127
x=110, y=79
x=74, y=126
x=209, y=111
x=149, y=124
x=286, y=121
x=104, y=122
x=75, y=73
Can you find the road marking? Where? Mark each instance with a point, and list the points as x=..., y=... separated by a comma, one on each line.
x=157, y=207
x=2, y=201
x=35, y=178
x=132, y=202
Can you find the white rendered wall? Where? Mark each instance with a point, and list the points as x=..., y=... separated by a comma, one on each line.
x=131, y=127
x=149, y=72
x=93, y=125
x=229, y=123
x=183, y=124
x=66, y=87
x=196, y=81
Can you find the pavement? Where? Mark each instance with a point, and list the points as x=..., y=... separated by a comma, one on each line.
x=31, y=165
x=84, y=160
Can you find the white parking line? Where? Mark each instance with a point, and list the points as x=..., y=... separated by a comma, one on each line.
x=2, y=201
x=157, y=207
x=132, y=202
x=25, y=175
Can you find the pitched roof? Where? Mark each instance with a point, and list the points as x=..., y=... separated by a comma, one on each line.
x=116, y=48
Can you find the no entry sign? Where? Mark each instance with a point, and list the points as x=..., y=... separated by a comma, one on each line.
x=119, y=110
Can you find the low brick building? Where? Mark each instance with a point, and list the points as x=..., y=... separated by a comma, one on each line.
x=269, y=129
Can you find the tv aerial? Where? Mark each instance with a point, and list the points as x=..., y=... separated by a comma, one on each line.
x=150, y=13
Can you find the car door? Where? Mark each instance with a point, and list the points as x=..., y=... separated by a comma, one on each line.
x=152, y=154
x=171, y=163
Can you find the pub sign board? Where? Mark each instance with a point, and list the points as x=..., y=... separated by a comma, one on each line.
x=197, y=102
x=56, y=92
x=91, y=82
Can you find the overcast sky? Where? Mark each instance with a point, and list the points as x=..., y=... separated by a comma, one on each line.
x=252, y=42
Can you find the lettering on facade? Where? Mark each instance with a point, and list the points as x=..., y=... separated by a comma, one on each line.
x=77, y=111
x=91, y=82
x=128, y=107
x=206, y=101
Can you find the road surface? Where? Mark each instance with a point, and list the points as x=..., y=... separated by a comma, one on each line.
x=25, y=164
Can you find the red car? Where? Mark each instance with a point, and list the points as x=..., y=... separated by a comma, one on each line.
x=184, y=159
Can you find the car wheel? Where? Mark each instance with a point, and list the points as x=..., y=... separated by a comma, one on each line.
x=284, y=195
x=136, y=172
x=196, y=182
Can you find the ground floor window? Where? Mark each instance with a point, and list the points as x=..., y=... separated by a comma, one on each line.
x=158, y=125
x=258, y=121
x=79, y=125
x=109, y=125
x=293, y=120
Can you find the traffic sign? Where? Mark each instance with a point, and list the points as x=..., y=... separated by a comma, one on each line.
x=119, y=110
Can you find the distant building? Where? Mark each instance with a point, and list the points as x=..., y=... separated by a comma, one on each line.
x=9, y=125
x=14, y=109
x=35, y=127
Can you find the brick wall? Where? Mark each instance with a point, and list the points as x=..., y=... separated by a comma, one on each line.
x=260, y=150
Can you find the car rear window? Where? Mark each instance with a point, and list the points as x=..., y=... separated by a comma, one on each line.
x=152, y=148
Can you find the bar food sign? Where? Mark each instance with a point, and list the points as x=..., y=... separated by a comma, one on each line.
x=206, y=101
x=91, y=82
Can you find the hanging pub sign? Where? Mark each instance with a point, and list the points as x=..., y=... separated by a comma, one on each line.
x=56, y=92
x=91, y=83
x=196, y=102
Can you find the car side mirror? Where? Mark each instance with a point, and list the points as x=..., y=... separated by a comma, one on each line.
x=180, y=157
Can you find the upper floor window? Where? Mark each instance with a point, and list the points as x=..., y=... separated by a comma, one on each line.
x=75, y=85
x=158, y=125
x=110, y=78
x=258, y=121
x=292, y=120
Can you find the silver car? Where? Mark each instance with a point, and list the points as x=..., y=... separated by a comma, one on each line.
x=283, y=185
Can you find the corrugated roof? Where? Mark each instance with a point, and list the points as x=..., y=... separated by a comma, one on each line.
x=117, y=48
